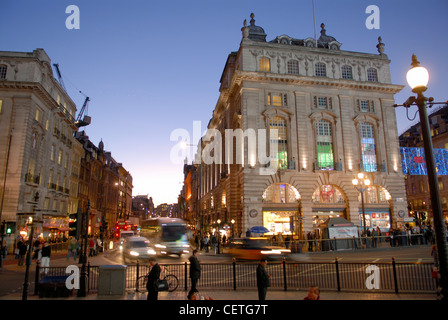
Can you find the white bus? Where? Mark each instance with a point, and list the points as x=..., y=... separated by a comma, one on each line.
x=167, y=235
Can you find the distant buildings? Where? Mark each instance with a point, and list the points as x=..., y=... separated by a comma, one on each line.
x=417, y=189
x=43, y=157
x=295, y=121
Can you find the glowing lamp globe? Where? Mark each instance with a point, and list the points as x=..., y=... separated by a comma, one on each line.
x=417, y=77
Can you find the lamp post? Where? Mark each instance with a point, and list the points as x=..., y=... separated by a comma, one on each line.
x=219, y=234
x=417, y=78
x=361, y=183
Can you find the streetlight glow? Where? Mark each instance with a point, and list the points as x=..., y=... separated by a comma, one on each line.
x=417, y=76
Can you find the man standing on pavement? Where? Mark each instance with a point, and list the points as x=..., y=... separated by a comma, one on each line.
x=195, y=271
x=153, y=276
x=263, y=281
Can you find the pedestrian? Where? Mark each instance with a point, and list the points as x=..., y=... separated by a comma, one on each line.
x=434, y=255
x=72, y=248
x=91, y=247
x=21, y=247
x=153, y=276
x=197, y=296
x=263, y=281
x=36, y=246
x=45, y=259
x=206, y=243
x=313, y=293
x=214, y=243
x=195, y=271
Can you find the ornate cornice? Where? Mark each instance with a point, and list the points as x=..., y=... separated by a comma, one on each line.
x=240, y=76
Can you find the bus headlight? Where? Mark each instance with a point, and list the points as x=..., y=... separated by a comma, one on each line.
x=151, y=251
x=160, y=246
x=134, y=253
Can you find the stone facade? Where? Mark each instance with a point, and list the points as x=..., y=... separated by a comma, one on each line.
x=36, y=140
x=334, y=115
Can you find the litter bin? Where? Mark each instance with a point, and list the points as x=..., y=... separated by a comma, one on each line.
x=112, y=280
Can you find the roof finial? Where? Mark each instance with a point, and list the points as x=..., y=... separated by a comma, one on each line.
x=252, y=20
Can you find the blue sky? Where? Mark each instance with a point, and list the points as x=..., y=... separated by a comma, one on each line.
x=150, y=67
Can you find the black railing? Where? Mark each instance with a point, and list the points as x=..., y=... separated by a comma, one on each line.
x=392, y=277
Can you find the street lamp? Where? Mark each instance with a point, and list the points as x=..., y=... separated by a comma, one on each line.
x=361, y=183
x=219, y=234
x=417, y=78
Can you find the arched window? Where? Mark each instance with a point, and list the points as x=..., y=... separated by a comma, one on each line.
x=324, y=146
x=279, y=143
x=264, y=64
x=368, y=152
x=327, y=194
x=281, y=193
x=347, y=72
x=375, y=194
x=320, y=69
x=293, y=67
x=372, y=75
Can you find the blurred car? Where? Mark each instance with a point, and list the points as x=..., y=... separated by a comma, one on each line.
x=123, y=236
x=137, y=248
x=255, y=249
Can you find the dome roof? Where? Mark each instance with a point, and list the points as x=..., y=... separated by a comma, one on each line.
x=256, y=33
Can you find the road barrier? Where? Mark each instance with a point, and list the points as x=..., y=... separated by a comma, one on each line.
x=384, y=277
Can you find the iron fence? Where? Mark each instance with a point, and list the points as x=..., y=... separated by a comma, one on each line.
x=384, y=277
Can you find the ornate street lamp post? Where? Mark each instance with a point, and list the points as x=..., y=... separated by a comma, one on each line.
x=417, y=78
x=361, y=183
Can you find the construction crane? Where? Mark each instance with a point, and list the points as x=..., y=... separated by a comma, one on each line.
x=86, y=120
x=56, y=66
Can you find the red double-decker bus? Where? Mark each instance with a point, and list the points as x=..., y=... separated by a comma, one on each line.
x=121, y=225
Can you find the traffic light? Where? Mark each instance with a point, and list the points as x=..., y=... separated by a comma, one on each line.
x=74, y=224
x=10, y=227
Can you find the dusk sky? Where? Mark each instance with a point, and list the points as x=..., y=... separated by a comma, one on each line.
x=150, y=67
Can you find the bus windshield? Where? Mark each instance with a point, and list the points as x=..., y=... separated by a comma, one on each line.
x=173, y=233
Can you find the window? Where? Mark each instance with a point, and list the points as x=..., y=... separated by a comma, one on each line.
x=368, y=152
x=366, y=106
x=347, y=72
x=1, y=103
x=264, y=64
x=52, y=153
x=324, y=141
x=372, y=75
x=280, y=142
x=277, y=99
x=3, y=69
x=281, y=193
x=60, y=157
x=293, y=67
x=320, y=70
x=322, y=103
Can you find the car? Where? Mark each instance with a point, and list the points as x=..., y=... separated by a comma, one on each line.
x=137, y=249
x=255, y=249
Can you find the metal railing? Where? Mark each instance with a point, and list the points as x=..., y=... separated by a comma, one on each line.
x=391, y=277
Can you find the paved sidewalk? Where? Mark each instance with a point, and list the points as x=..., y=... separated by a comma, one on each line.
x=238, y=295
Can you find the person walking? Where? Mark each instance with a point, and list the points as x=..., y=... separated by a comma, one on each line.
x=153, y=276
x=45, y=259
x=263, y=281
x=195, y=271
x=22, y=248
x=72, y=248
